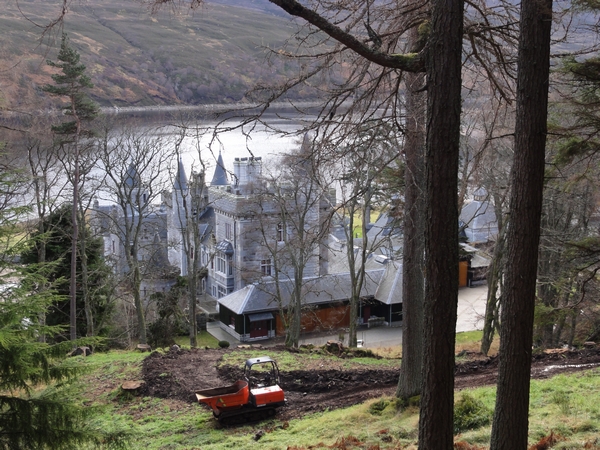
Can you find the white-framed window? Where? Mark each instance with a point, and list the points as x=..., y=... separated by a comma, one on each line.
x=222, y=292
x=228, y=231
x=266, y=267
x=280, y=232
x=221, y=262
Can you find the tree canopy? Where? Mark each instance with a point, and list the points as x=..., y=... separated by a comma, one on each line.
x=36, y=410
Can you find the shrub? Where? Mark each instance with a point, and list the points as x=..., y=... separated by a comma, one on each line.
x=224, y=344
x=470, y=414
x=377, y=408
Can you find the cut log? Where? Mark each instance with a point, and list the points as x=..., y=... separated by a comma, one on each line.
x=132, y=386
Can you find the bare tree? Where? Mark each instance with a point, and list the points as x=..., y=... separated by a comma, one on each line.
x=292, y=216
x=134, y=162
x=191, y=202
x=491, y=167
x=47, y=184
x=367, y=154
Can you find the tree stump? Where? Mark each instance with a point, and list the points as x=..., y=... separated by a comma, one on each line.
x=337, y=348
x=144, y=348
x=132, y=387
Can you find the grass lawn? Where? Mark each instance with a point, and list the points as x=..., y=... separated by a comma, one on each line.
x=566, y=405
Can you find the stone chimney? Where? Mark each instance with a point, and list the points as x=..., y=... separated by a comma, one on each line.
x=247, y=171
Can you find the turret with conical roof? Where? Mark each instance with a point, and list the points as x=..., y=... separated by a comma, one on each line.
x=180, y=197
x=178, y=222
x=220, y=176
x=181, y=183
x=134, y=190
x=132, y=177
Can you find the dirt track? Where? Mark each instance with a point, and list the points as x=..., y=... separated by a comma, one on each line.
x=178, y=374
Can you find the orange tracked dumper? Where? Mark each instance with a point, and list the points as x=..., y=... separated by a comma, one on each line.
x=254, y=398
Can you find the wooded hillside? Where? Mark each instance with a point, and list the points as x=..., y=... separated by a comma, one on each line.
x=211, y=55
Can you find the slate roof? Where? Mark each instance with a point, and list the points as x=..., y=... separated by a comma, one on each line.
x=384, y=226
x=389, y=290
x=181, y=182
x=480, y=218
x=338, y=259
x=132, y=178
x=478, y=259
x=220, y=175
x=332, y=288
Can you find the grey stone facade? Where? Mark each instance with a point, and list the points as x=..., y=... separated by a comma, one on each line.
x=250, y=235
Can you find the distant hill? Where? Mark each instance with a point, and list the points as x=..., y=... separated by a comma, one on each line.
x=211, y=55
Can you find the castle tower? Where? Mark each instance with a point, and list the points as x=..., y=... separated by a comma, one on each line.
x=246, y=173
x=180, y=198
x=220, y=176
x=178, y=226
x=134, y=189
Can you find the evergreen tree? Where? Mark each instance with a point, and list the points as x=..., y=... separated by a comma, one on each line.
x=72, y=83
x=57, y=239
x=35, y=410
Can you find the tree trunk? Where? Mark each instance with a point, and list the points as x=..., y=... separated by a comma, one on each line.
x=354, y=294
x=357, y=268
x=409, y=382
x=441, y=233
x=74, y=240
x=85, y=282
x=510, y=425
x=139, y=304
x=192, y=289
x=193, y=270
x=494, y=277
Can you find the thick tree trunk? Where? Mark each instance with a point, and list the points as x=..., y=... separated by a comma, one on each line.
x=441, y=239
x=413, y=289
x=510, y=425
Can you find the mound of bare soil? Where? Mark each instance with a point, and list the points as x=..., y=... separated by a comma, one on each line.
x=178, y=374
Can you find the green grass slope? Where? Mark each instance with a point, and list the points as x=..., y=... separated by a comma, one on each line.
x=214, y=54
x=564, y=413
